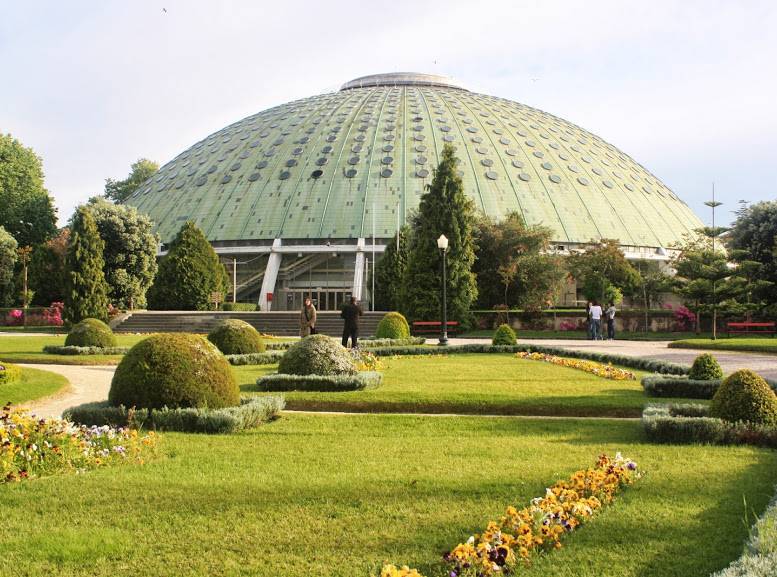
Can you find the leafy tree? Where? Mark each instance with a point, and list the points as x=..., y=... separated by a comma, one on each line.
x=8, y=255
x=86, y=292
x=444, y=209
x=130, y=251
x=188, y=274
x=121, y=190
x=47, y=270
x=601, y=269
x=26, y=209
x=389, y=273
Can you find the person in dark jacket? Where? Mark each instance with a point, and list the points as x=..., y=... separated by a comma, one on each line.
x=351, y=313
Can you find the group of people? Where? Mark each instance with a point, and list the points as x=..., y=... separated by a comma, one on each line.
x=595, y=314
x=350, y=314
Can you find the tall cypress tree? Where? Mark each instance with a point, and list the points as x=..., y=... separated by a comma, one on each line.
x=444, y=209
x=188, y=274
x=389, y=273
x=86, y=292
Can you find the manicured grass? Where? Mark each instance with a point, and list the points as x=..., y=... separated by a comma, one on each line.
x=582, y=335
x=47, y=329
x=29, y=349
x=752, y=344
x=494, y=384
x=34, y=384
x=339, y=495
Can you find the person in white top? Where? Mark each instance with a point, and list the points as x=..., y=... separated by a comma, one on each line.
x=596, y=321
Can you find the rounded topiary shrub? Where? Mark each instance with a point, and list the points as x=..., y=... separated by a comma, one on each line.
x=317, y=355
x=745, y=396
x=90, y=333
x=504, y=335
x=174, y=370
x=705, y=368
x=236, y=337
x=392, y=326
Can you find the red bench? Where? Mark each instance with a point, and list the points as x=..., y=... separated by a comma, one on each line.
x=767, y=328
x=433, y=327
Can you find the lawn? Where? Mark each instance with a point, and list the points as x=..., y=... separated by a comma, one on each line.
x=29, y=349
x=752, y=344
x=495, y=384
x=34, y=384
x=339, y=495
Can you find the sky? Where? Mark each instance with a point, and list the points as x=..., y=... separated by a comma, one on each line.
x=688, y=89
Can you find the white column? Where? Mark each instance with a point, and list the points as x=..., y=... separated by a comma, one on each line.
x=270, y=275
x=358, y=270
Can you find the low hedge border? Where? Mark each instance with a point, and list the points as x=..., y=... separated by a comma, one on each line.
x=9, y=373
x=408, y=342
x=652, y=365
x=760, y=556
x=320, y=383
x=74, y=350
x=277, y=345
x=689, y=423
x=252, y=412
x=676, y=386
x=266, y=358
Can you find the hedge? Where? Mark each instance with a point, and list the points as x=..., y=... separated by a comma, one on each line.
x=9, y=373
x=277, y=345
x=652, y=365
x=251, y=412
x=73, y=350
x=265, y=358
x=684, y=424
x=407, y=342
x=661, y=386
x=240, y=307
x=323, y=383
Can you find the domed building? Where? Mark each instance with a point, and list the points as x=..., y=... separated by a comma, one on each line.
x=302, y=197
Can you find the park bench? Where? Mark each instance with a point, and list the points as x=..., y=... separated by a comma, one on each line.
x=767, y=328
x=433, y=327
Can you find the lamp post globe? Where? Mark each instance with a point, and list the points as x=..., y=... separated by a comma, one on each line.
x=442, y=244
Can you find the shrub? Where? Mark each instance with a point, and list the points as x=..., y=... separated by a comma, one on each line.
x=266, y=358
x=327, y=383
x=504, y=335
x=745, y=396
x=9, y=373
x=174, y=370
x=316, y=355
x=393, y=326
x=241, y=307
x=236, y=337
x=705, y=368
x=91, y=333
x=661, y=386
x=73, y=350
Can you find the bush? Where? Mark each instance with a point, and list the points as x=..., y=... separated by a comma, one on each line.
x=236, y=337
x=705, y=368
x=240, y=307
x=406, y=342
x=91, y=333
x=9, y=373
x=392, y=326
x=660, y=386
x=249, y=414
x=73, y=350
x=504, y=335
x=316, y=355
x=324, y=383
x=745, y=396
x=266, y=358
x=174, y=370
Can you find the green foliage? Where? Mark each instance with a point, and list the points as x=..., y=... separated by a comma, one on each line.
x=329, y=383
x=317, y=355
x=243, y=307
x=75, y=350
x=504, y=335
x=26, y=210
x=390, y=271
x=8, y=257
x=444, y=209
x=393, y=325
x=601, y=269
x=680, y=387
x=269, y=357
x=47, y=270
x=745, y=396
x=130, y=252
x=9, y=373
x=121, y=190
x=174, y=370
x=705, y=367
x=90, y=333
x=86, y=292
x=188, y=274
x=236, y=337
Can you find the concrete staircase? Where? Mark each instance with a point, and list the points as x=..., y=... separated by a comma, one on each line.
x=275, y=323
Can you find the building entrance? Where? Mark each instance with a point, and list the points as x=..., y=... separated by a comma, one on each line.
x=323, y=299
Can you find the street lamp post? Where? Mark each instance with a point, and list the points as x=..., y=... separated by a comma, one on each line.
x=442, y=244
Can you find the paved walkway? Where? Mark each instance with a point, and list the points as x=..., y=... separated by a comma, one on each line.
x=87, y=384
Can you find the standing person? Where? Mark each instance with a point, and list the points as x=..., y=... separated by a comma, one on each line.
x=307, y=318
x=351, y=313
x=610, y=314
x=596, y=321
x=589, y=324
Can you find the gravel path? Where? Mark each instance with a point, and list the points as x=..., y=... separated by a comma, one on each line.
x=87, y=384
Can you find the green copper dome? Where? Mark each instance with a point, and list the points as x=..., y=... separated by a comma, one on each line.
x=313, y=169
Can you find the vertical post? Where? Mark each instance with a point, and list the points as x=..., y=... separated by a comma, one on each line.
x=366, y=272
x=372, y=293
x=444, y=337
x=712, y=204
x=399, y=224
x=234, y=280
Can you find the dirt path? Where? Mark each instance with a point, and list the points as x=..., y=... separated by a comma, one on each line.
x=87, y=384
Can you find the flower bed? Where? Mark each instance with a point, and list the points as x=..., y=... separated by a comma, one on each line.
x=598, y=369
x=322, y=383
x=33, y=316
x=251, y=413
x=74, y=350
x=524, y=533
x=9, y=373
x=32, y=447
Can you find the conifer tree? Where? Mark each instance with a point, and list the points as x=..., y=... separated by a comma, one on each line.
x=86, y=292
x=444, y=209
x=188, y=274
x=389, y=272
